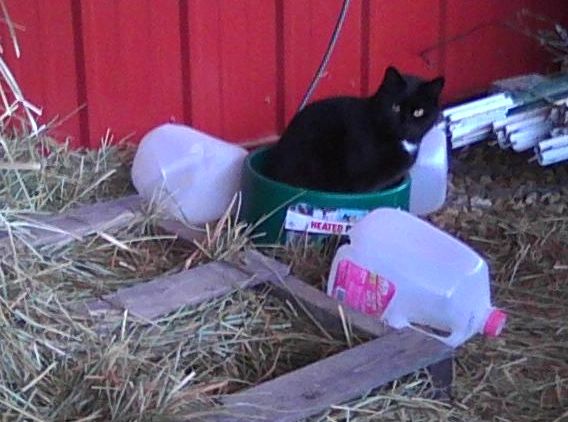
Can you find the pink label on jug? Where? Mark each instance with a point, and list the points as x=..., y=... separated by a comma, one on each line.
x=361, y=289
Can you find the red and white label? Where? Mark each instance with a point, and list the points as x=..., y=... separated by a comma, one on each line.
x=305, y=223
x=362, y=290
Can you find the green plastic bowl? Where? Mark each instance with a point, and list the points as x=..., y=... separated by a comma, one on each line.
x=262, y=196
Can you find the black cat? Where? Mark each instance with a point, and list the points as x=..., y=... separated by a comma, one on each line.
x=349, y=144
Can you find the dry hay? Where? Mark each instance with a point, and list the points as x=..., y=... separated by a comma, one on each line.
x=40, y=174
x=515, y=214
x=56, y=364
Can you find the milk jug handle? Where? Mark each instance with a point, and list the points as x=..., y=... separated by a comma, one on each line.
x=455, y=339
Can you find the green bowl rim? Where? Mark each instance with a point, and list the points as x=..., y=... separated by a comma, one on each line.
x=316, y=193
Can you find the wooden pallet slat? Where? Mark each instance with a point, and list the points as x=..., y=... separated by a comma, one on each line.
x=163, y=295
x=77, y=223
x=192, y=287
x=347, y=375
x=322, y=307
x=298, y=394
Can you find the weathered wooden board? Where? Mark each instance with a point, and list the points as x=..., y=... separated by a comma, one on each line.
x=167, y=294
x=77, y=223
x=442, y=375
x=182, y=231
x=334, y=380
x=322, y=307
x=187, y=288
x=298, y=394
x=308, y=390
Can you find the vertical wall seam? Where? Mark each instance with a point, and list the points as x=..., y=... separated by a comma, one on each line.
x=221, y=81
x=442, y=36
x=280, y=67
x=185, y=55
x=81, y=72
x=365, y=45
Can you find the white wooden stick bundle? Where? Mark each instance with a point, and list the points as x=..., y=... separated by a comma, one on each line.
x=552, y=156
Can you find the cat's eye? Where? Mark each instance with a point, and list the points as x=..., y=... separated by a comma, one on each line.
x=419, y=112
x=396, y=108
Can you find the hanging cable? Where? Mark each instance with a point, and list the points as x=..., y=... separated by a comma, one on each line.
x=327, y=55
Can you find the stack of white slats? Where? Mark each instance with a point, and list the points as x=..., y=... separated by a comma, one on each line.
x=472, y=122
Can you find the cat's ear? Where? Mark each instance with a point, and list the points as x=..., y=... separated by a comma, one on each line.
x=434, y=87
x=393, y=78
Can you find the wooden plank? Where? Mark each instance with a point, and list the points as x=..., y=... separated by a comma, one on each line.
x=132, y=66
x=326, y=309
x=46, y=69
x=347, y=375
x=322, y=307
x=155, y=298
x=442, y=374
x=77, y=223
x=167, y=294
x=182, y=231
x=233, y=67
x=84, y=220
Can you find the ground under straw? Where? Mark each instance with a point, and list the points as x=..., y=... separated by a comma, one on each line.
x=40, y=174
x=515, y=214
x=55, y=364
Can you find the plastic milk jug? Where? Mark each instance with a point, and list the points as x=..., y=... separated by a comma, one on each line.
x=429, y=174
x=194, y=175
x=403, y=270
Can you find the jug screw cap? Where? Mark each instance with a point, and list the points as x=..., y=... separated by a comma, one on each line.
x=495, y=323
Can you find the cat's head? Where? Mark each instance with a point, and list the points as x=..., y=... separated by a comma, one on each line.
x=408, y=105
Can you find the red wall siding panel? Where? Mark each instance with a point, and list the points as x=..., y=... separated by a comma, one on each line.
x=399, y=32
x=239, y=70
x=132, y=65
x=308, y=26
x=482, y=47
x=205, y=49
x=45, y=70
x=233, y=67
x=468, y=42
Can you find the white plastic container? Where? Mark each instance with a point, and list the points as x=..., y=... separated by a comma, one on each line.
x=429, y=175
x=195, y=175
x=404, y=270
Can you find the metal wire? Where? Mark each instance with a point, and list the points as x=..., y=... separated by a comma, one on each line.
x=327, y=55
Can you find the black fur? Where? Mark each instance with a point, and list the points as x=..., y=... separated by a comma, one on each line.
x=349, y=144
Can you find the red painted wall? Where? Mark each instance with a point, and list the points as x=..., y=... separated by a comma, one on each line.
x=239, y=69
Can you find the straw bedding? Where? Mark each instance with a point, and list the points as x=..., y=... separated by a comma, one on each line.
x=515, y=214
x=55, y=365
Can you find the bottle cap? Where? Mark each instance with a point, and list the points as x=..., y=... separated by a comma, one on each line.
x=495, y=323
